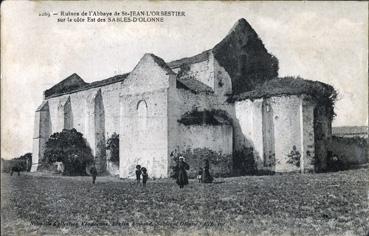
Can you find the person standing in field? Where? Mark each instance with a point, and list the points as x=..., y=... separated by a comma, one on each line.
x=206, y=177
x=145, y=176
x=138, y=174
x=182, y=178
x=199, y=175
x=93, y=171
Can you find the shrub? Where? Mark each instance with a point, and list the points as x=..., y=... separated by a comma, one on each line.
x=113, y=145
x=27, y=159
x=71, y=149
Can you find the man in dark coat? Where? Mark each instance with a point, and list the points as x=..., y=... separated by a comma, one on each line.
x=182, y=178
x=138, y=174
x=145, y=176
x=93, y=172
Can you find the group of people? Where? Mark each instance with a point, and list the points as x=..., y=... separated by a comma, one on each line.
x=180, y=173
x=141, y=171
x=204, y=175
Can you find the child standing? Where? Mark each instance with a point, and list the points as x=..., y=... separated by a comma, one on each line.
x=199, y=175
x=145, y=176
x=138, y=174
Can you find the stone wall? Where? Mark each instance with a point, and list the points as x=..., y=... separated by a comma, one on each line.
x=42, y=131
x=308, y=106
x=202, y=71
x=272, y=127
x=287, y=130
x=144, y=134
x=322, y=136
x=247, y=130
x=222, y=81
x=351, y=151
x=200, y=142
x=197, y=142
x=93, y=112
x=144, y=119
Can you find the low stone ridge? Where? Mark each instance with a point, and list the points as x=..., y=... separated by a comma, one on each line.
x=350, y=130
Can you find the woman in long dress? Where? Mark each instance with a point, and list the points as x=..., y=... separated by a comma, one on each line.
x=182, y=178
x=206, y=177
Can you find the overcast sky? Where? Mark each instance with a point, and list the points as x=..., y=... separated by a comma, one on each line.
x=325, y=41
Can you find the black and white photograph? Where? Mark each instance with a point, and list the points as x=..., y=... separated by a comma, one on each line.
x=184, y=118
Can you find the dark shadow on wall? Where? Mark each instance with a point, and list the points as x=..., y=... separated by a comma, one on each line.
x=269, y=159
x=245, y=158
x=99, y=118
x=45, y=129
x=68, y=115
x=320, y=139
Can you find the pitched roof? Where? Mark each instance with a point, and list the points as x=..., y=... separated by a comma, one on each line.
x=160, y=62
x=111, y=80
x=213, y=117
x=72, y=82
x=190, y=60
x=193, y=85
x=75, y=87
x=75, y=83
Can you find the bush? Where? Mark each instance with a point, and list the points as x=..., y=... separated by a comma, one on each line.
x=113, y=145
x=71, y=149
x=27, y=159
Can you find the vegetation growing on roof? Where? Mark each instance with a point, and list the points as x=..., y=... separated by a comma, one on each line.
x=323, y=93
x=205, y=117
x=243, y=55
x=183, y=70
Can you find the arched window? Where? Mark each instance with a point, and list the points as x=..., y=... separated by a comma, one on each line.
x=142, y=114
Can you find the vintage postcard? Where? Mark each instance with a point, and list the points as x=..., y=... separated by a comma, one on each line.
x=184, y=118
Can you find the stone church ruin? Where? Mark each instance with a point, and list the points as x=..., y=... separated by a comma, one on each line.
x=226, y=104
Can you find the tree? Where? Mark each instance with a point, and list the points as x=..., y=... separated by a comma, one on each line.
x=113, y=145
x=27, y=158
x=71, y=149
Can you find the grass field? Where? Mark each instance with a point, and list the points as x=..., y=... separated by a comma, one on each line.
x=291, y=204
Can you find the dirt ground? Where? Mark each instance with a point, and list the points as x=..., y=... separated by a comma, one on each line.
x=289, y=204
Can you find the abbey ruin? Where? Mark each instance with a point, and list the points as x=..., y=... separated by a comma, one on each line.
x=226, y=104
